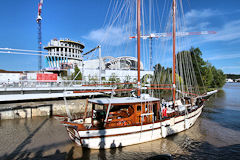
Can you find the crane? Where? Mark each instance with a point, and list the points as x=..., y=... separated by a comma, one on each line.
x=160, y=35
x=39, y=19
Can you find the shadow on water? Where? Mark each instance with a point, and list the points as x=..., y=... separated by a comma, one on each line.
x=192, y=150
x=25, y=142
x=160, y=157
x=102, y=153
x=37, y=153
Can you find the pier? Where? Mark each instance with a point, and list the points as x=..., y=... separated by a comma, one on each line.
x=35, y=90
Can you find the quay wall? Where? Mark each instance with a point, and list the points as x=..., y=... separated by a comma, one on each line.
x=41, y=108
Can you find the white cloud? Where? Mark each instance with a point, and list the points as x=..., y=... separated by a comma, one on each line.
x=230, y=67
x=197, y=20
x=205, y=13
x=112, y=36
x=229, y=32
x=224, y=56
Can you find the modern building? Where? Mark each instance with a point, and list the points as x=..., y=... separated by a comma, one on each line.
x=66, y=54
x=63, y=54
x=120, y=67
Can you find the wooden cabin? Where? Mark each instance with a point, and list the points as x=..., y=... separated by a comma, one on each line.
x=126, y=111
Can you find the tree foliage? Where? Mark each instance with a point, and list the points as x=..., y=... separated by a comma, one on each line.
x=190, y=62
x=76, y=70
x=206, y=74
x=162, y=75
x=113, y=78
x=233, y=76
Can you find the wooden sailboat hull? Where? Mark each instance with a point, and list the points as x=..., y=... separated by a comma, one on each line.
x=129, y=135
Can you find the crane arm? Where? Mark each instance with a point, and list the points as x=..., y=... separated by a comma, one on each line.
x=39, y=10
x=179, y=34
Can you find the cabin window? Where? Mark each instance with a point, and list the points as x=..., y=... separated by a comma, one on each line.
x=146, y=108
x=139, y=108
x=123, y=111
x=155, y=111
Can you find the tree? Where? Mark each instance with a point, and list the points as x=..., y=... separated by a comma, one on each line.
x=113, y=78
x=76, y=70
x=218, y=78
x=205, y=74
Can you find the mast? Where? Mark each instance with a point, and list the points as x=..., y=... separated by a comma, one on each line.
x=100, y=65
x=138, y=43
x=174, y=56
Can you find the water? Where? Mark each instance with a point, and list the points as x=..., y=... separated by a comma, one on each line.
x=215, y=135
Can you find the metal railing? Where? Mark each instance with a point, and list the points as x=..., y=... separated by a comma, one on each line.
x=40, y=84
x=25, y=84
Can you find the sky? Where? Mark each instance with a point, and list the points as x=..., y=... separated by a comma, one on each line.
x=85, y=21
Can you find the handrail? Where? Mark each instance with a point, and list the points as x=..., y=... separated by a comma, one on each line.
x=147, y=114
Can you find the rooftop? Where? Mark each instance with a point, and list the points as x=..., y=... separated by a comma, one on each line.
x=122, y=100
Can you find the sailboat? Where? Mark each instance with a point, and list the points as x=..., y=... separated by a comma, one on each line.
x=122, y=121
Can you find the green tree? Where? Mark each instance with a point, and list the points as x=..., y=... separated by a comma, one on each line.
x=76, y=70
x=218, y=78
x=113, y=78
x=206, y=74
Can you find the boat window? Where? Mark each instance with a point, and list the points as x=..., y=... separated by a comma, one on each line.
x=121, y=111
x=100, y=115
x=155, y=112
x=117, y=108
x=139, y=108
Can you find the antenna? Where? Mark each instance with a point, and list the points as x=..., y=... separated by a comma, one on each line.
x=39, y=19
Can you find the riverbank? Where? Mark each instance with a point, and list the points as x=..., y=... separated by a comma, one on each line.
x=41, y=108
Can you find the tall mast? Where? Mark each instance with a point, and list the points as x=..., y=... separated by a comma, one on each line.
x=138, y=43
x=174, y=56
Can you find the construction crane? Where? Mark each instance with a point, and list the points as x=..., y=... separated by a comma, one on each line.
x=100, y=68
x=160, y=35
x=39, y=19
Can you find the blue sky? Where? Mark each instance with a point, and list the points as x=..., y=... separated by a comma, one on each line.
x=83, y=20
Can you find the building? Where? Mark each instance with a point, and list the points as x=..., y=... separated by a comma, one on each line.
x=10, y=76
x=229, y=80
x=237, y=80
x=63, y=54
x=120, y=67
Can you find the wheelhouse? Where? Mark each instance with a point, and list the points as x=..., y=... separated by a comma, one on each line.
x=127, y=111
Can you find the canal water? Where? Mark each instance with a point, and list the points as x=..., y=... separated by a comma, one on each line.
x=215, y=135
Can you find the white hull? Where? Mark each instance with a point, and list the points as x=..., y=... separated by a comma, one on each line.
x=124, y=136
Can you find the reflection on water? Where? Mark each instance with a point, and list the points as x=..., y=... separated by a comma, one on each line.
x=214, y=136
